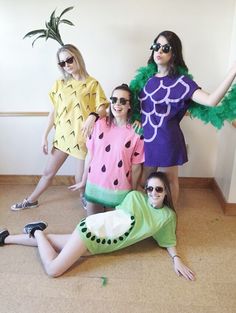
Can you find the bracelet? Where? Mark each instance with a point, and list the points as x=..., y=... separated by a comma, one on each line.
x=175, y=256
x=95, y=114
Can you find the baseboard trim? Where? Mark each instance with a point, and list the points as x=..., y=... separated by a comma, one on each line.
x=185, y=182
x=227, y=207
x=34, y=179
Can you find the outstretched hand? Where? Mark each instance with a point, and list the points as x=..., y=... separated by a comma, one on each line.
x=182, y=270
x=77, y=186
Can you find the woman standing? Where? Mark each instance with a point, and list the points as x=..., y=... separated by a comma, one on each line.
x=164, y=100
x=78, y=101
x=114, y=158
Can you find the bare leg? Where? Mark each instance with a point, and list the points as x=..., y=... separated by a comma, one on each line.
x=78, y=175
x=56, y=159
x=172, y=174
x=147, y=170
x=93, y=208
x=79, y=170
x=56, y=264
x=56, y=240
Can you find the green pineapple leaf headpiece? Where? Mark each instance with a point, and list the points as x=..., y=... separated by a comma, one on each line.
x=52, y=28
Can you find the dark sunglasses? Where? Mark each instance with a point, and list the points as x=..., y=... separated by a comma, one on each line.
x=157, y=188
x=122, y=101
x=68, y=61
x=157, y=46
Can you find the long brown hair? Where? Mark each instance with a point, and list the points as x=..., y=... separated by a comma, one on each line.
x=176, y=49
x=163, y=178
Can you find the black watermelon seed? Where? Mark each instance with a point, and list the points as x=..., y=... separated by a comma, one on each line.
x=132, y=217
x=121, y=238
x=136, y=153
x=84, y=230
x=120, y=163
x=127, y=174
x=88, y=235
x=82, y=224
x=100, y=136
x=116, y=182
x=103, y=241
x=93, y=238
x=126, y=234
x=108, y=148
x=109, y=241
x=115, y=241
x=128, y=144
x=104, y=168
x=132, y=224
x=98, y=240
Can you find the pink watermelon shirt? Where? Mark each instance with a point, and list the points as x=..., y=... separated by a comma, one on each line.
x=114, y=150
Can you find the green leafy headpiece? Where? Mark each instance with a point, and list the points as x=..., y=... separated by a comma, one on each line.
x=52, y=28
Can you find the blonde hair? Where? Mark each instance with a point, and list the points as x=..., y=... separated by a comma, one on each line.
x=78, y=58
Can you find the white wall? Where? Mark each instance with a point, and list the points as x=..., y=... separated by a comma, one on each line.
x=226, y=153
x=114, y=37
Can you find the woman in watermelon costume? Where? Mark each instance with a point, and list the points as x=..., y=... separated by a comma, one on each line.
x=78, y=100
x=138, y=217
x=163, y=92
x=114, y=158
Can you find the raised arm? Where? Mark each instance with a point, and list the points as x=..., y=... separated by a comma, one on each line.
x=216, y=96
x=180, y=268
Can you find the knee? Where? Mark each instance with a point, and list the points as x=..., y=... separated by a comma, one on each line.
x=52, y=271
x=48, y=174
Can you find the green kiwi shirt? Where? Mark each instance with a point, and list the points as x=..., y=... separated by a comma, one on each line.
x=132, y=221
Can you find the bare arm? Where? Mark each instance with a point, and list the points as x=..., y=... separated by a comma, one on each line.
x=48, y=128
x=82, y=184
x=90, y=121
x=179, y=267
x=216, y=96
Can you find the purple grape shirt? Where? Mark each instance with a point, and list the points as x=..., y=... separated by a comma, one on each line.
x=164, y=102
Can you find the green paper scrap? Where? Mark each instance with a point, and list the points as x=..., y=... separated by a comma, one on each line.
x=104, y=280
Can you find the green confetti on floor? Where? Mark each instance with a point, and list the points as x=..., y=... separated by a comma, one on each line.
x=104, y=280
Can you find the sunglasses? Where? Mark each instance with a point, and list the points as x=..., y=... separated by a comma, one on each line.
x=122, y=101
x=68, y=61
x=157, y=189
x=157, y=46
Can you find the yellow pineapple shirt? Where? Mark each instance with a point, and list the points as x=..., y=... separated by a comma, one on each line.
x=73, y=100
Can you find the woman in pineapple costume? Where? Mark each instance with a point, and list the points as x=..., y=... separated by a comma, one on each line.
x=164, y=92
x=139, y=216
x=78, y=101
x=114, y=158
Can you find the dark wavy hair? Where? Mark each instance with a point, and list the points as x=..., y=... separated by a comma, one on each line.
x=176, y=49
x=124, y=87
x=163, y=177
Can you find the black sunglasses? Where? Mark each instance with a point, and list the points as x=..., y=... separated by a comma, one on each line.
x=157, y=188
x=122, y=101
x=68, y=61
x=157, y=46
